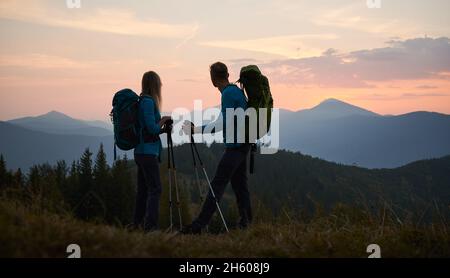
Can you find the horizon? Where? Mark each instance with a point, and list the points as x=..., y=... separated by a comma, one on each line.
x=291, y=111
x=390, y=60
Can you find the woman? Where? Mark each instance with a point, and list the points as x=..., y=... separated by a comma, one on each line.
x=146, y=154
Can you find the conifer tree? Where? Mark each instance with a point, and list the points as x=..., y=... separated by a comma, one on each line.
x=19, y=178
x=61, y=176
x=71, y=194
x=101, y=165
x=34, y=180
x=121, y=193
x=85, y=169
x=101, y=176
x=3, y=172
x=84, y=204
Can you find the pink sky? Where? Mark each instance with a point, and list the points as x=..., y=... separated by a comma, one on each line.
x=391, y=60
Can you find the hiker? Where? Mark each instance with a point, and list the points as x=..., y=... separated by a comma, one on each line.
x=147, y=152
x=233, y=165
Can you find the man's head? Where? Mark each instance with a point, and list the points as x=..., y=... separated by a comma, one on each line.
x=219, y=74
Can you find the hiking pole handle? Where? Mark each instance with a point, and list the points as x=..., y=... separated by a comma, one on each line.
x=167, y=129
x=169, y=136
x=169, y=164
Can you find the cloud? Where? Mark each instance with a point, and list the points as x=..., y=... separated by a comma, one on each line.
x=244, y=61
x=420, y=58
x=52, y=63
x=115, y=21
x=292, y=46
x=359, y=18
x=420, y=95
x=191, y=80
x=390, y=97
x=426, y=87
x=41, y=61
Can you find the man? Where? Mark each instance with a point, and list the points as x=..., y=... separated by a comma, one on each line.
x=233, y=165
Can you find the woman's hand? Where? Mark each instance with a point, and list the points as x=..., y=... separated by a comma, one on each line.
x=164, y=120
x=166, y=124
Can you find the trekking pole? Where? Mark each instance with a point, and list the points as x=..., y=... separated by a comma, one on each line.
x=197, y=177
x=177, y=195
x=169, y=168
x=199, y=184
x=209, y=183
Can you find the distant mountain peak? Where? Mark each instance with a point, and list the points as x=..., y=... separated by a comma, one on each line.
x=337, y=108
x=55, y=115
x=331, y=100
x=335, y=102
x=55, y=112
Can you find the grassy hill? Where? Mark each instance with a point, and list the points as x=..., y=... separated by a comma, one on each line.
x=33, y=232
x=303, y=207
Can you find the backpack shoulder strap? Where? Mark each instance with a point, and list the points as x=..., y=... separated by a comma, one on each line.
x=233, y=85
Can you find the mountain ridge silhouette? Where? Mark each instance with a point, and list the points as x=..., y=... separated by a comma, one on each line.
x=333, y=130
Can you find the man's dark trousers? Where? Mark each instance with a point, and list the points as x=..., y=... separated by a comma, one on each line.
x=232, y=168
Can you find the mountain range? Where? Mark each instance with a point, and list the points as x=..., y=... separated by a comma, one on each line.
x=333, y=130
x=58, y=123
x=52, y=137
x=343, y=133
x=24, y=148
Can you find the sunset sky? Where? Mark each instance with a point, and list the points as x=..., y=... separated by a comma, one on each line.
x=391, y=60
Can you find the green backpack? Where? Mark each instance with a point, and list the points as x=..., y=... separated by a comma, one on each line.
x=257, y=88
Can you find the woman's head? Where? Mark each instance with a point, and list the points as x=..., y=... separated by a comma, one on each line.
x=151, y=86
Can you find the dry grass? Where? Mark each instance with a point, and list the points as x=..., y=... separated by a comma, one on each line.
x=26, y=232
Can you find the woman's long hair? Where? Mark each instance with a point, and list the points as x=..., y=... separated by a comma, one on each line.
x=151, y=86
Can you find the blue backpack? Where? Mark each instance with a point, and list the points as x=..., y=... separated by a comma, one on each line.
x=128, y=132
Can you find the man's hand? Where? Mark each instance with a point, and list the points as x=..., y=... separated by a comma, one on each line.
x=188, y=128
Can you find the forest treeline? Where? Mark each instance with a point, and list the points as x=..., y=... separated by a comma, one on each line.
x=287, y=185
